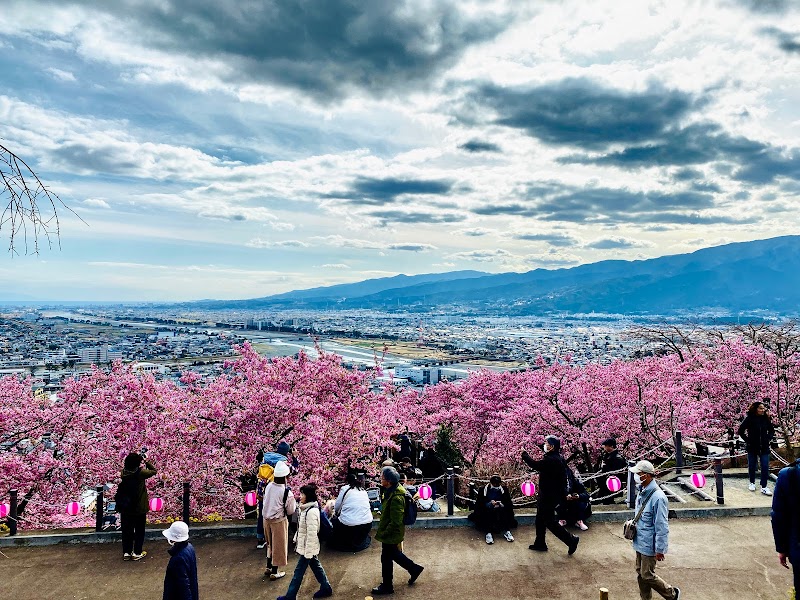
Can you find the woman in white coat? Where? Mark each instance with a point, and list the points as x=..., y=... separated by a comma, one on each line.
x=308, y=546
x=353, y=517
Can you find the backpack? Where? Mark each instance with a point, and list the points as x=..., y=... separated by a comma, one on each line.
x=124, y=497
x=410, y=512
x=325, y=526
x=266, y=474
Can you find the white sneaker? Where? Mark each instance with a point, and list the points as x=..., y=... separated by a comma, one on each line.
x=126, y=556
x=563, y=523
x=582, y=526
x=261, y=546
x=278, y=575
x=508, y=536
x=489, y=538
x=766, y=492
x=752, y=487
x=135, y=556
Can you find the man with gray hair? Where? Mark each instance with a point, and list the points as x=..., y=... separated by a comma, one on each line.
x=391, y=531
x=652, y=533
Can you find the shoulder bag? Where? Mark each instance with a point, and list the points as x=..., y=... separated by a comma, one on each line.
x=629, y=526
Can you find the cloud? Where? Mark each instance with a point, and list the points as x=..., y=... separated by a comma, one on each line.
x=326, y=50
x=788, y=42
x=482, y=255
x=259, y=243
x=375, y=191
x=584, y=113
x=412, y=247
x=414, y=217
x=341, y=266
x=343, y=242
x=617, y=243
x=236, y=213
x=475, y=146
x=95, y=203
x=60, y=75
x=554, y=239
x=473, y=232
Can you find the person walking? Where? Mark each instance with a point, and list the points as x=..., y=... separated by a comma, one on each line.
x=652, y=533
x=180, y=581
x=308, y=546
x=279, y=504
x=352, y=517
x=757, y=432
x=133, y=504
x=786, y=519
x=552, y=470
x=391, y=532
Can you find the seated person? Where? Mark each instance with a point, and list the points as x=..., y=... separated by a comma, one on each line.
x=494, y=512
x=575, y=509
x=352, y=517
x=408, y=471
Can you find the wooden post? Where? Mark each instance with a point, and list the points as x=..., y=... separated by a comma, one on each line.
x=12, y=513
x=718, y=474
x=186, y=489
x=603, y=594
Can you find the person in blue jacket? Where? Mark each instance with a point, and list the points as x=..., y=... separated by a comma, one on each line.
x=786, y=519
x=180, y=581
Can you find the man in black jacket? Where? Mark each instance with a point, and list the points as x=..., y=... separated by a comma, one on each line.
x=552, y=470
x=494, y=512
x=612, y=463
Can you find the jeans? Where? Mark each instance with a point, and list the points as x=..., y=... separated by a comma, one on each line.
x=753, y=459
x=546, y=519
x=391, y=553
x=132, y=533
x=300, y=570
x=259, y=524
x=649, y=581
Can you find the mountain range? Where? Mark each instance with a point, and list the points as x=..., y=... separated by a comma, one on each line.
x=736, y=277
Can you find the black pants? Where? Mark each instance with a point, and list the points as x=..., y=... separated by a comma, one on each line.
x=546, y=519
x=390, y=553
x=132, y=533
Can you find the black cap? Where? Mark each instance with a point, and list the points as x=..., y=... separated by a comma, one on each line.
x=609, y=442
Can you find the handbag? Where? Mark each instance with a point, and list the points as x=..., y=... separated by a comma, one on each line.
x=629, y=526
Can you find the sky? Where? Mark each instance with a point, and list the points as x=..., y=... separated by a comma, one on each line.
x=242, y=148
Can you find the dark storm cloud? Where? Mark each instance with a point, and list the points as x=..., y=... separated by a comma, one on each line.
x=377, y=192
x=479, y=146
x=414, y=217
x=322, y=48
x=788, y=42
x=583, y=113
x=554, y=239
x=611, y=206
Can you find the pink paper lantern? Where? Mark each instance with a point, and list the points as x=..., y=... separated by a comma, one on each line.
x=5, y=509
x=250, y=499
x=425, y=492
x=73, y=508
x=528, y=488
x=613, y=484
x=698, y=480
x=156, y=504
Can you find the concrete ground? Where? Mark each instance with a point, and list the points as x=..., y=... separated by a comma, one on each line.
x=710, y=559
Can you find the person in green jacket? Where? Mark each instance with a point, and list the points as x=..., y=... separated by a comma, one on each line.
x=133, y=504
x=391, y=532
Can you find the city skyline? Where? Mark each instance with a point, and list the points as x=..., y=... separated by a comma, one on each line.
x=233, y=151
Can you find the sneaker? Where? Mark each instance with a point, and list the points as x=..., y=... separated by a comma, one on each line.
x=277, y=575
x=489, y=538
x=537, y=548
x=766, y=491
x=563, y=523
x=574, y=545
x=126, y=556
x=752, y=487
x=261, y=546
x=677, y=595
x=582, y=526
x=415, y=574
x=327, y=593
x=135, y=556
x=508, y=536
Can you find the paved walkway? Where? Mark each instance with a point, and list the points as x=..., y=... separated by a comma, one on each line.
x=710, y=559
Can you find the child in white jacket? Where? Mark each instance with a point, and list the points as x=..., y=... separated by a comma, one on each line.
x=308, y=546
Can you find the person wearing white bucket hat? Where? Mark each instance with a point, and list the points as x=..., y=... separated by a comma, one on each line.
x=279, y=504
x=180, y=581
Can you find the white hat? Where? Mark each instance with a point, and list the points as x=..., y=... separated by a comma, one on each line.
x=281, y=469
x=177, y=532
x=643, y=466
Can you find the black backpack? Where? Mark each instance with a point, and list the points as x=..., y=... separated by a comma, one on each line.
x=125, y=492
x=410, y=511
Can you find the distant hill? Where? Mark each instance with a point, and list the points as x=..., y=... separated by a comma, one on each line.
x=745, y=276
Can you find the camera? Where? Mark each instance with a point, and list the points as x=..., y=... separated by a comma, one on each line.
x=143, y=451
